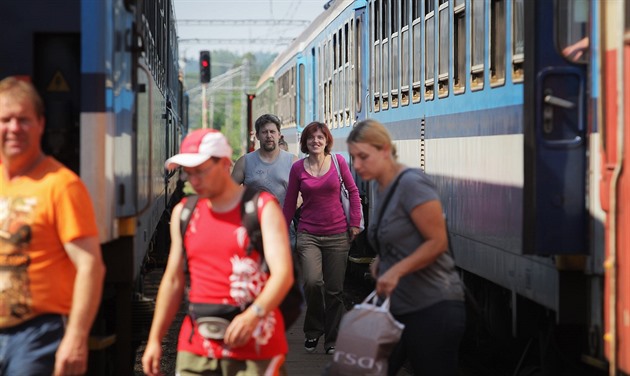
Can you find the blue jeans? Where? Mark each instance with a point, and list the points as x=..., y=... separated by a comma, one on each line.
x=430, y=340
x=323, y=259
x=29, y=348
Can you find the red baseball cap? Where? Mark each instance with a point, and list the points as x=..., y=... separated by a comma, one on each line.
x=199, y=146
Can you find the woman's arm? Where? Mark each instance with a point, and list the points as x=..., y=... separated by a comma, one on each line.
x=429, y=221
x=293, y=188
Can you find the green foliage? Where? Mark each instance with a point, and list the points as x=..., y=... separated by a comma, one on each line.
x=225, y=102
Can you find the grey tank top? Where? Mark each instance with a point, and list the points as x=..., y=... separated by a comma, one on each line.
x=271, y=177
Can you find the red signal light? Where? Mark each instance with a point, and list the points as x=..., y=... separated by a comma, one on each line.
x=204, y=63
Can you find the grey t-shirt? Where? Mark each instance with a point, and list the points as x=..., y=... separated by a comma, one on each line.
x=271, y=177
x=399, y=238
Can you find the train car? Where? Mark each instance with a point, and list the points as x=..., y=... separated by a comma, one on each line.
x=500, y=102
x=109, y=75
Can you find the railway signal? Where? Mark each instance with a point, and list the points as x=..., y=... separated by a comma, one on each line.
x=204, y=67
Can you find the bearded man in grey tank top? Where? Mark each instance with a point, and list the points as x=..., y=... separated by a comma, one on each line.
x=267, y=168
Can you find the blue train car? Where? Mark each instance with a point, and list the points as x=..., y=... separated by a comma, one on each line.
x=498, y=101
x=115, y=109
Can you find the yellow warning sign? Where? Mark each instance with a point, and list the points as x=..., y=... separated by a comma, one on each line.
x=58, y=83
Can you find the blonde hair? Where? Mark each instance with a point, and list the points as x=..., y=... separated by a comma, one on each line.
x=373, y=133
x=23, y=90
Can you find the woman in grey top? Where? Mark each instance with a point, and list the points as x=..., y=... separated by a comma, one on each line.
x=413, y=266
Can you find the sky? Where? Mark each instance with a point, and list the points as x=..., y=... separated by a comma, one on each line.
x=241, y=10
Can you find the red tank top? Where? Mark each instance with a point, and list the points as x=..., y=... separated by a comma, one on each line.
x=221, y=272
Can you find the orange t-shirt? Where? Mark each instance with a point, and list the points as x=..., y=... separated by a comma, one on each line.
x=39, y=213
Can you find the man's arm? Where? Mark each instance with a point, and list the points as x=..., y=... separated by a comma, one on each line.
x=169, y=297
x=238, y=172
x=85, y=254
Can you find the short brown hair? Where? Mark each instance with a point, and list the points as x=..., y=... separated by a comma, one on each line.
x=266, y=119
x=23, y=89
x=312, y=128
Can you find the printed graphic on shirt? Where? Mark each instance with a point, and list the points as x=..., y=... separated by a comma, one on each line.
x=246, y=283
x=15, y=236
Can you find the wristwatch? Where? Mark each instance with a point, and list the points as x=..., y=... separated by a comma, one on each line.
x=258, y=310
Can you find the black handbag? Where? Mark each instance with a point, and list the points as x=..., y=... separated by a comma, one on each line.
x=212, y=320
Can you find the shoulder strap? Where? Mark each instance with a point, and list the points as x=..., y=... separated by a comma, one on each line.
x=249, y=219
x=186, y=214
x=336, y=162
x=184, y=219
x=384, y=206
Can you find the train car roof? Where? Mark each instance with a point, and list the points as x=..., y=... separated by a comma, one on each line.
x=299, y=43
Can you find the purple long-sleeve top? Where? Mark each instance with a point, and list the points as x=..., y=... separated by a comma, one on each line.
x=322, y=213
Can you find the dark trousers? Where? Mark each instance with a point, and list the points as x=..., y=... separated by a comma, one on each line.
x=323, y=259
x=430, y=340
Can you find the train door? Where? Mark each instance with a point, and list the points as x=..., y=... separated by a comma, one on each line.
x=554, y=129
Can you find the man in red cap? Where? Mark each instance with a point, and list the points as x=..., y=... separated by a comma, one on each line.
x=224, y=277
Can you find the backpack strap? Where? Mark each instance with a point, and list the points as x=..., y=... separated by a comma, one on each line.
x=184, y=219
x=249, y=219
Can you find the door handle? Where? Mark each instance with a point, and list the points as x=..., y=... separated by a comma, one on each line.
x=559, y=102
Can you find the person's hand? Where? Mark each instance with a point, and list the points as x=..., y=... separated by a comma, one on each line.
x=387, y=282
x=71, y=356
x=151, y=358
x=354, y=232
x=241, y=329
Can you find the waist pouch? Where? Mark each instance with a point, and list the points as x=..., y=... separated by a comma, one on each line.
x=212, y=319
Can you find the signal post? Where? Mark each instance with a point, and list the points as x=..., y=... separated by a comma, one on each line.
x=204, y=78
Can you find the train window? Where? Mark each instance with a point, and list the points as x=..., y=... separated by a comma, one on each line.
x=404, y=13
x=443, y=55
x=518, y=40
x=384, y=75
x=572, y=33
x=384, y=22
x=346, y=43
x=393, y=11
x=394, y=79
x=497, y=42
x=404, y=53
x=334, y=51
x=459, y=47
x=429, y=50
x=376, y=18
x=385, y=55
x=416, y=63
x=358, y=55
x=477, y=40
x=376, y=60
x=349, y=72
x=302, y=95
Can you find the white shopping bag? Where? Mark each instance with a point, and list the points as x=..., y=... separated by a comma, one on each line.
x=367, y=335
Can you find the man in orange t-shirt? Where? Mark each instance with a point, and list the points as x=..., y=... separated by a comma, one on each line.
x=51, y=270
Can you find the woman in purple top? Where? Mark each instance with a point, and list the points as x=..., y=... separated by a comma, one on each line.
x=324, y=236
